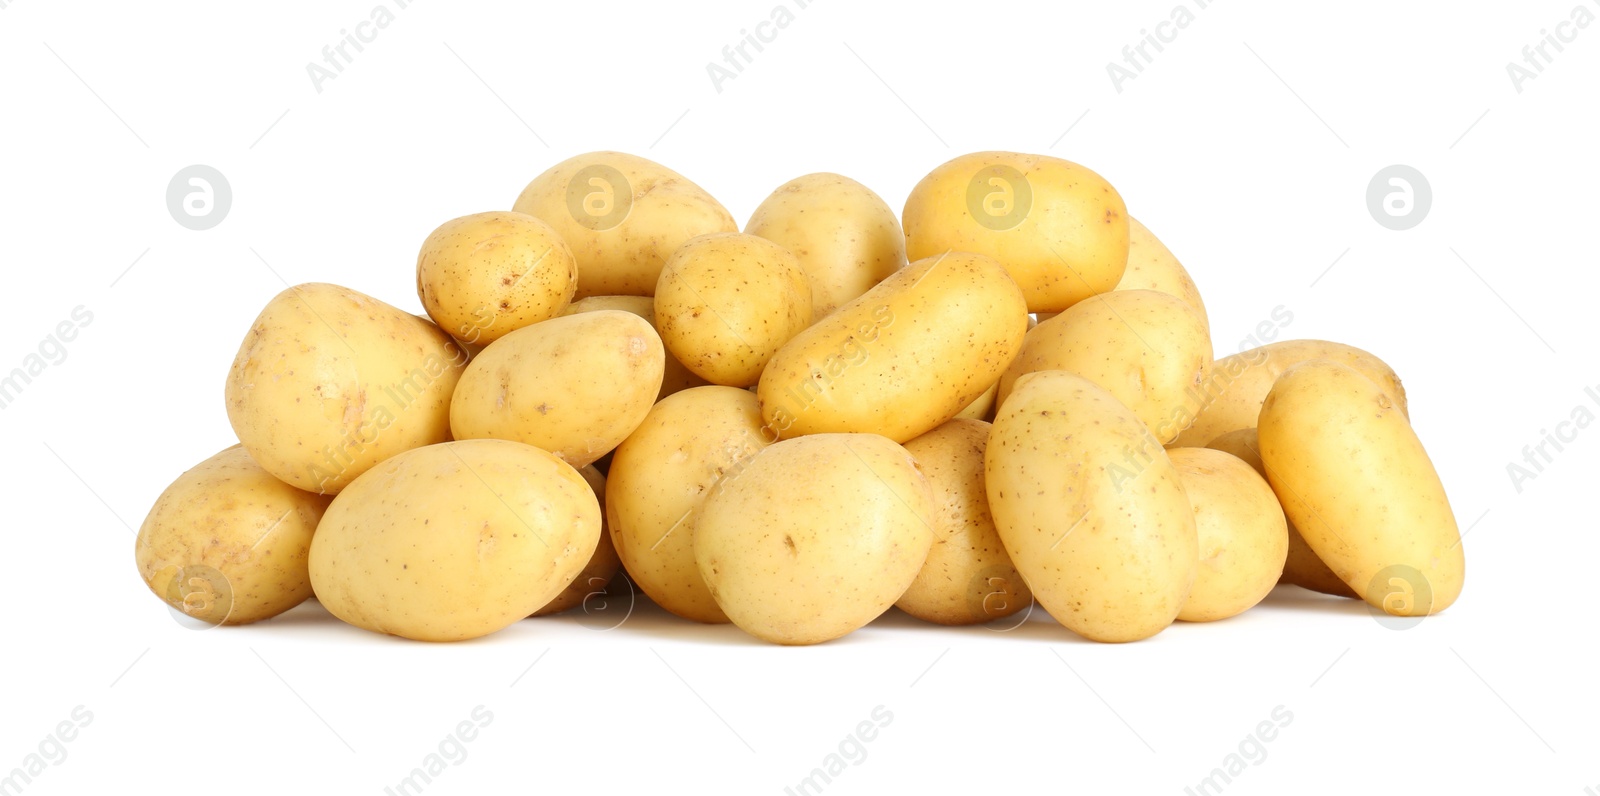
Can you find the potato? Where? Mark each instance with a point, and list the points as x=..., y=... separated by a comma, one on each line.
x=575, y=386
x=226, y=543
x=1239, y=383
x=675, y=377
x=603, y=565
x=815, y=537
x=901, y=358
x=1149, y=349
x=660, y=476
x=967, y=578
x=846, y=238
x=454, y=541
x=982, y=406
x=1241, y=529
x=1060, y=229
x=1301, y=567
x=1091, y=510
x=329, y=382
x=623, y=216
x=1152, y=266
x=483, y=275
x=726, y=302
x=1353, y=477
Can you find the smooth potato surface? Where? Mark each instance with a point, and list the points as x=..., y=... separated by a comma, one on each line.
x=483, y=275
x=1241, y=530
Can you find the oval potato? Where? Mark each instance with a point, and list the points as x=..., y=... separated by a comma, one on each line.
x=1152, y=266
x=674, y=377
x=483, y=275
x=1241, y=530
x=603, y=565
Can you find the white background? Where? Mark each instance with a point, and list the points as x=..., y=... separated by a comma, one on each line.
x=1247, y=145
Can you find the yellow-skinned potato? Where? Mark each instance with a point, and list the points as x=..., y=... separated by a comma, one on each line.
x=329, y=382
x=483, y=275
x=623, y=216
x=1241, y=530
x=726, y=302
x=675, y=377
x=575, y=386
x=1353, y=477
x=982, y=406
x=1091, y=510
x=659, y=478
x=454, y=541
x=845, y=236
x=1060, y=229
x=1301, y=567
x=603, y=565
x=815, y=537
x=1152, y=266
x=226, y=543
x=1149, y=349
x=901, y=358
x=1239, y=383
x=967, y=578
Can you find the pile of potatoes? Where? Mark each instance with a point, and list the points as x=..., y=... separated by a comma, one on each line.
x=1007, y=395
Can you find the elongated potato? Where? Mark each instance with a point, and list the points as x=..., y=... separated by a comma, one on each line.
x=1352, y=475
x=483, y=275
x=901, y=358
x=602, y=568
x=623, y=216
x=1241, y=529
x=575, y=386
x=674, y=376
x=1152, y=266
x=1060, y=229
x=846, y=238
x=1091, y=510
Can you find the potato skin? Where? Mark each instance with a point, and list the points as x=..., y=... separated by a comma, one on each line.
x=1060, y=229
x=1152, y=266
x=815, y=537
x=227, y=515
x=454, y=541
x=726, y=302
x=1091, y=510
x=659, y=479
x=623, y=216
x=328, y=382
x=967, y=578
x=846, y=237
x=603, y=565
x=483, y=275
x=575, y=386
x=1353, y=477
x=903, y=357
x=674, y=377
x=1241, y=529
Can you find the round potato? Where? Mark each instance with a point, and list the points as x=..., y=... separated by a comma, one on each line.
x=1353, y=477
x=674, y=377
x=483, y=275
x=603, y=565
x=726, y=303
x=623, y=216
x=454, y=541
x=1090, y=508
x=1241, y=530
x=846, y=238
x=1152, y=266
x=815, y=537
x=575, y=386
x=226, y=543
x=1060, y=229
x=1149, y=349
x=967, y=578
x=329, y=382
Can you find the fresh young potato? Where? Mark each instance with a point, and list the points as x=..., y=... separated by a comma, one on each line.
x=1353, y=477
x=623, y=216
x=901, y=358
x=846, y=238
x=1090, y=508
x=1241, y=529
x=726, y=302
x=454, y=541
x=967, y=579
x=1239, y=383
x=661, y=475
x=575, y=386
x=815, y=537
x=981, y=407
x=1060, y=229
x=329, y=382
x=1152, y=266
x=1301, y=567
x=226, y=543
x=1149, y=349
x=603, y=565
x=675, y=377
x=483, y=275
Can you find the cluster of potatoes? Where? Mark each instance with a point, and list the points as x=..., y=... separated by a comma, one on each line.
x=1006, y=395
